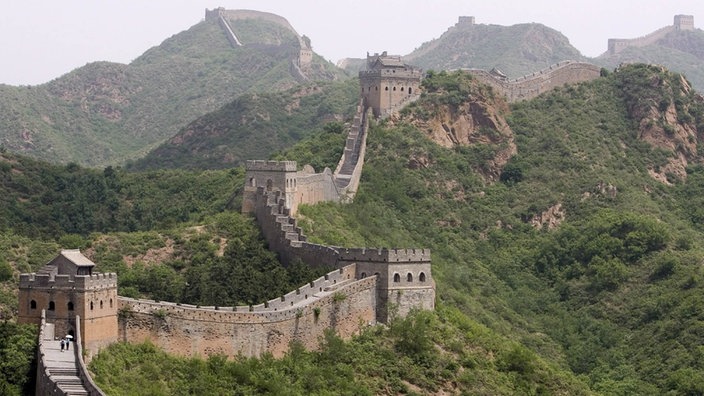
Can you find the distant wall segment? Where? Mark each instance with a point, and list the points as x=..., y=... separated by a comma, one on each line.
x=532, y=85
x=681, y=23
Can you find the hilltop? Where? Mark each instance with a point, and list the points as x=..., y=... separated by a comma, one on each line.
x=515, y=50
x=104, y=113
x=679, y=47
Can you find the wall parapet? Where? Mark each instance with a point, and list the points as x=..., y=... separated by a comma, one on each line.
x=286, y=307
x=60, y=281
x=271, y=166
x=385, y=255
x=532, y=85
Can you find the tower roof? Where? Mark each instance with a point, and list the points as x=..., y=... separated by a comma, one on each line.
x=76, y=257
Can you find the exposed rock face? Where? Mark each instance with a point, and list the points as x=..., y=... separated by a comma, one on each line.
x=550, y=218
x=478, y=120
x=665, y=122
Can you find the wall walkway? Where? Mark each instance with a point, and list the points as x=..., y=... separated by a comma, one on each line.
x=532, y=85
x=61, y=372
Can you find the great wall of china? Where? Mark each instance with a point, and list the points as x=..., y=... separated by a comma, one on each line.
x=366, y=287
x=225, y=19
x=532, y=85
x=681, y=22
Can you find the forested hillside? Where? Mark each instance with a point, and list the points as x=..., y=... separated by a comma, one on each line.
x=254, y=126
x=515, y=50
x=576, y=270
x=105, y=113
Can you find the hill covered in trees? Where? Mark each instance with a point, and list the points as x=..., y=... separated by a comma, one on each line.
x=105, y=113
x=576, y=271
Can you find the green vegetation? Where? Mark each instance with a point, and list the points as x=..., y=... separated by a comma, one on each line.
x=17, y=352
x=515, y=50
x=423, y=353
x=575, y=273
x=608, y=293
x=49, y=201
x=256, y=126
x=105, y=113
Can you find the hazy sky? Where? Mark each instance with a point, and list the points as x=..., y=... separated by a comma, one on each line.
x=44, y=39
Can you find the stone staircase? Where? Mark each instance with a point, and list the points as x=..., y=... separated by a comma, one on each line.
x=353, y=150
x=61, y=368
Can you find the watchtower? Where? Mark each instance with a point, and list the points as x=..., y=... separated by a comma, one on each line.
x=66, y=287
x=387, y=83
x=272, y=176
x=404, y=278
x=684, y=22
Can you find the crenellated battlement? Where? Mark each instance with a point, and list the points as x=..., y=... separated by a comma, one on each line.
x=271, y=166
x=60, y=281
x=392, y=73
x=386, y=255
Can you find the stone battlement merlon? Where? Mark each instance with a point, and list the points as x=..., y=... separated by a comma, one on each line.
x=98, y=280
x=386, y=255
x=397, y=73
x=271, y=166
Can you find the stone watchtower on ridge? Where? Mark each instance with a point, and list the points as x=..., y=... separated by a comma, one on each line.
x=67, y=288
x=388, y=83
x=272, y=176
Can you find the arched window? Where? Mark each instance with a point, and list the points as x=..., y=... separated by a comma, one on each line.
x=252, y=182
x=70, y=305
x=101, y=303
x=409, y=277
x=410, y=90
x=364, y=275
x=394, y=88
x=401, y=89
x=32, y=304
x=421, y=277
x=52, y=306
x=91, y=305
x=111, y=303
x=397, y=278
x=386, y=88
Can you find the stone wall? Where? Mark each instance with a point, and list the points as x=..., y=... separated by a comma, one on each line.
x=681, y=22
x=617, y=45
x=532, y=85
x=337, y=301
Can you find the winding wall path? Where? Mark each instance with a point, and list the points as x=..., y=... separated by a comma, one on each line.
x=532, y=85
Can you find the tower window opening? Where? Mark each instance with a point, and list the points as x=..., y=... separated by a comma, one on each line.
x=32, y=304
x=91, y=305
x=52, y=306
x=421, y=277
x=70, y=305
x=409, y=277
x=397, y=278
x=386, y=88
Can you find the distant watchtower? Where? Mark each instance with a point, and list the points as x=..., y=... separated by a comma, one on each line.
x=684, y=22
x=66, y=287
x=388, y=83
x=272, y=176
